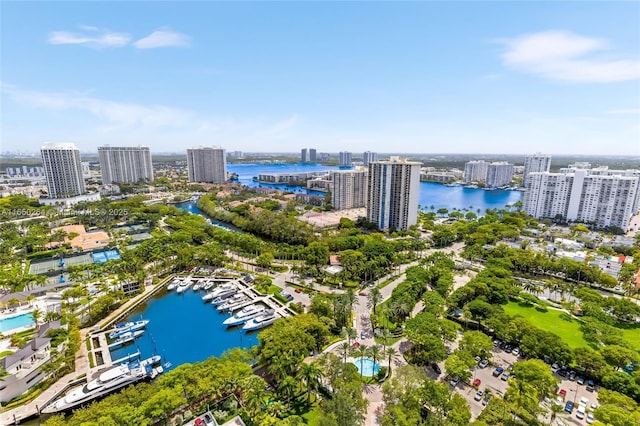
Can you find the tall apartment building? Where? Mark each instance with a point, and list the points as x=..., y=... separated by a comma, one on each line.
x=344, y=159
x=304, y=155
x=499, y=174
x=368, y=157
x=207, y=164
x=475, y=171
x=393, y=192
x=312, y=155
x=63, y=170
x=348, y=189
x=584, y=195
x=125, y=164
x=535, y=163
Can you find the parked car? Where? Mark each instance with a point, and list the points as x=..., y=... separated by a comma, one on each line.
x=454, y=381
x=483, y=363
x=572, y=376
x=590, y=418
x=363, y=335
x=485, y=401
x=505, y=376
x=563, y=371
x=591, y=385
x=476, y=383
x=580, y=380
x=478, y=359
x=568, y=407
x=208, y=420
x=562, y=393
x=297, y=290
x=516, y=351
x=498, y=371
x=479, y=395
x=555, y=366
x=436, y=368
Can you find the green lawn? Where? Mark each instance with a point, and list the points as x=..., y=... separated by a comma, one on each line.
x=556, y=322
x=632, y=335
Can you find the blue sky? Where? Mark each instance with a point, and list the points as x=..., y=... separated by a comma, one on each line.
x=443, y=77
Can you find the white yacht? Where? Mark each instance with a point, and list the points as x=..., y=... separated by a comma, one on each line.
x=234, y=302
x=127, y=337
x=109, y=381
x=260, y=321
x=216, y=292
x=245, y=314
x=222, y=297
x=184, y=286
x=197, y=285
x=125, y=327
x=173, y=284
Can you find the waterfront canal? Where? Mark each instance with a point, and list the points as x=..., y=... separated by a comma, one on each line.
x=183, y=329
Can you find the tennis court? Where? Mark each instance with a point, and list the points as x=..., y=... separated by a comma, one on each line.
x=101, y=257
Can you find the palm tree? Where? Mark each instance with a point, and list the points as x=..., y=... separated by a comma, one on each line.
x=555, y=410
x=30, y=299
x=375, y=297
x=361, y=352
x=345, y=350
x=287, y=388
x=276, y=409
x=36, y=314
x=392, y=355
x=351, y=334
x=310, y=375
x=375, y=353
x=51, y=316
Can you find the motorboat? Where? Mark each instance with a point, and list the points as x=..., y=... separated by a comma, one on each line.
x=125, y=338
x=233, y=302
x=125, y=327
x=260, y=321
x=208, y=284
x=222, y=297
x=173, y=284
x=216, y=292
x=197, y=286
x=184, y=286
x=245, y=314
x=107, y=382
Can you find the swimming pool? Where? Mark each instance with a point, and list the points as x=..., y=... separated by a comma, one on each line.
x=369, y=367
x=24, y=320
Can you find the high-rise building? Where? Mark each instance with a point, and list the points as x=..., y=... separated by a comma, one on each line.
x=499, y=174
x=393, y=192
x=368, y=157
x=344, y=159
x=535, y=163
x=207, y=164
x=125, y=164
x=303, y=155
x=475, y=171
x=312, y=155
x=348, y=189
x=63, y=170
x=584, y=195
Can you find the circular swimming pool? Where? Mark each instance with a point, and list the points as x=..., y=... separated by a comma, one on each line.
x=366, y=366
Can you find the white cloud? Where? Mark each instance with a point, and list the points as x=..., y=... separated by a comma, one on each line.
x=109, y=112
x=102, y=39
x=562, y=55
x=163, y=38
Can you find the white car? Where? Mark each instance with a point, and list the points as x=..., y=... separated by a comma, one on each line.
x=590, y=418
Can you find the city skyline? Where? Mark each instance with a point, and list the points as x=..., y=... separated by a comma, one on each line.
x=526, y=77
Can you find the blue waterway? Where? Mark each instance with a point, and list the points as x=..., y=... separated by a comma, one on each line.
x=183, y=329
x=438, y=195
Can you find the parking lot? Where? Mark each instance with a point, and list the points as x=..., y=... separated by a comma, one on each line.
x=495, y=385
